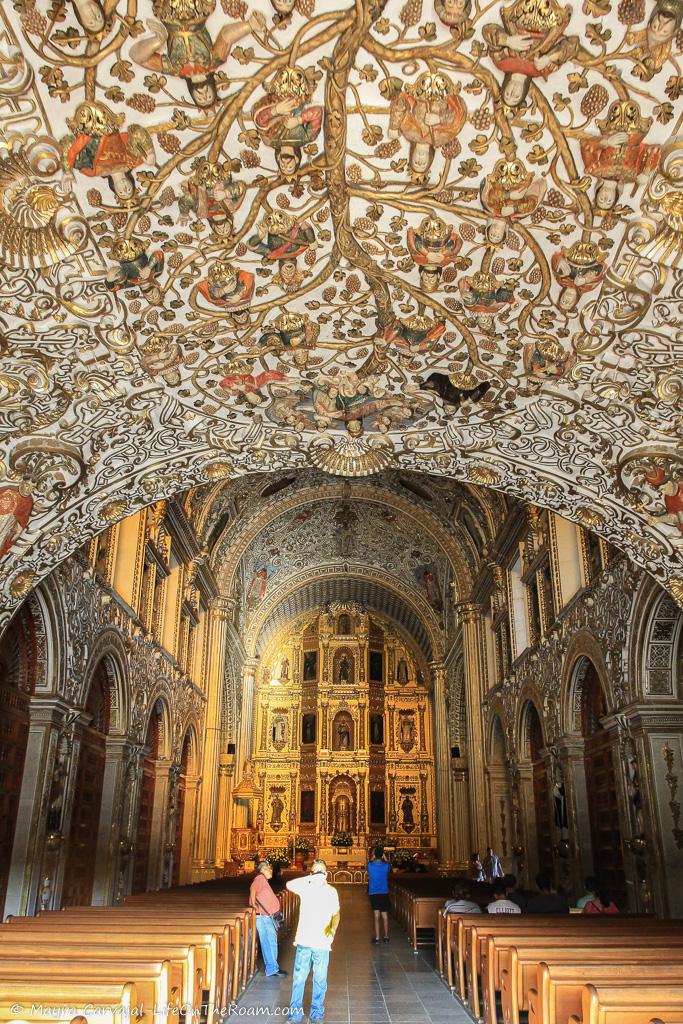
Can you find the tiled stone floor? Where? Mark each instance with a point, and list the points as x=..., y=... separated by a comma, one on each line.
x=385, y=984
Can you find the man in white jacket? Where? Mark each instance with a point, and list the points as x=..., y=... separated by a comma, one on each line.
x=318, y=922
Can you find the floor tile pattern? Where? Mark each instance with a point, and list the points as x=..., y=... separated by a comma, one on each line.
x=385, y=984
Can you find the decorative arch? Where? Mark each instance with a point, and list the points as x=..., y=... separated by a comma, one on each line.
x=662, y=656
x=110, y=650
x=497, y=745
x=530, y=732
x=583, y=650
x=159, y=704
x=342, y=802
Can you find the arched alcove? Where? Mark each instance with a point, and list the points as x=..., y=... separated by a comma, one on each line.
x=499, y=794
x=603, y=807
x=143, y=833
x=183, y=820
x=538, y=808
x=343, y=731
x=662, y=668
x=79, y=873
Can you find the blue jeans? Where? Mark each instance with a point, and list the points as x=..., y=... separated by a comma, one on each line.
x=267, y=934
x=305, y=956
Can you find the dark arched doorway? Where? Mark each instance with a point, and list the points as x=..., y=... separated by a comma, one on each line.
x=180, y=807
x=17, y=683
x=542, y=807
x=79, y=873
x=143, y=832
x=603, y=809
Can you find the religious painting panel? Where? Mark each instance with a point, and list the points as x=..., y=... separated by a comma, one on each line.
x=376, y=666
x=310, y=666
x=308, y=728
x=343, y=731
x=377, y=807
x=377, y=729
x=307, y=814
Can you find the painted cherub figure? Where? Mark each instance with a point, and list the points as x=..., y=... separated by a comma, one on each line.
x=294, y=332
x=433, y=245
x=212, y=194
x=652, y=45
x=578, y=269
x=416, y=333
x=230, y=288
x=181, y=45
x=285, y=119
x=619, y=156
x=429, y=114
x=531, y=43
x=161, y=355
x=509, y=193
x=97, y=148
x=455, y=14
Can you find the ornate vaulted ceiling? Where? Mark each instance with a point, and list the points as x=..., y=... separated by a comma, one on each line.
x=425, y=234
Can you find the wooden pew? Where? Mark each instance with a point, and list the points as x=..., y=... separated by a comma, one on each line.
x=158, y=983
x=30, y=945
x=209, y=946
x=500, y=960
x=233, y=961
x=487, y=948
x=632, y=1004
x=559, y=987
x=43, y=1001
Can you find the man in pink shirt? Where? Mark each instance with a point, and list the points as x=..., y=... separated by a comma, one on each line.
x=265, y=903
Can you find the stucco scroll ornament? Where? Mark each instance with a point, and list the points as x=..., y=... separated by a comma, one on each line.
x=38, y=227
x=658, y=236
x=16, y=74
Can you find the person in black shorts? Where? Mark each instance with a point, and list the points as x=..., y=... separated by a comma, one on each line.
x=378, y=890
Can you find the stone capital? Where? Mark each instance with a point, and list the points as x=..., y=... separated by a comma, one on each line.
x=468, y=611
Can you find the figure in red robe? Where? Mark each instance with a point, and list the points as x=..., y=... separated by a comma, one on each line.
x=16, y=505
x=672, y=493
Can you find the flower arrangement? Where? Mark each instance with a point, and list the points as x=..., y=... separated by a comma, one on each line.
x=342, y=839
x=301, y=844
x=278, y=857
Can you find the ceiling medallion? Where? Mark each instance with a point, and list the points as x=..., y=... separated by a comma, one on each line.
x=217, y=470
x=589, y=517
x=483, y=475
x=113, y=510
x=22, y=584
x=351, y=456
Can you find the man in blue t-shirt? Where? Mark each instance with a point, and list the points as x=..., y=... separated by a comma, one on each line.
x=378, y=890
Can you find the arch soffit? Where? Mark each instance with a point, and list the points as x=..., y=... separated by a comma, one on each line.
x=496, y=724
x=46, y=607
x=161, y=697
x=225, y=564
x=584, y=648
x=528, y=700
x=416, y=604
x=110, y=649
x=645, y=610
x=191, y=730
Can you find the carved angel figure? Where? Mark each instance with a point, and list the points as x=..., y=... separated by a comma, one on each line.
x=97, y=148
x=670, y=487
x=229, y=287
x=136, y=268
x=578, y=269
x=16, y=505
x=429, y=114
x=433, y=245
x=531, y=43
x=181, y=45
x=37, y=228
x=211, y=193
x=485, y=295
x=248, y=385
x=286, y=120
x=509, y=193
x=652, y=44
x=619, y=156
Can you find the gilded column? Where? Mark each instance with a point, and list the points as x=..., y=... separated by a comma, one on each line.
x=470, y=616
x=444, y=803
x=220, y=611
x=226, y=771
x=461, y=811
x=246, y=737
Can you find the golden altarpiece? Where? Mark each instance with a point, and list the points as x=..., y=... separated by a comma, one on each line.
x=343, y=742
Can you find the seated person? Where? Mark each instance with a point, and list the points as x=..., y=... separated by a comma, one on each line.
x=591, y=885
x=601, y=903
x=500, y=904
x=547, y=900
x=460, y=903
x=517, y=896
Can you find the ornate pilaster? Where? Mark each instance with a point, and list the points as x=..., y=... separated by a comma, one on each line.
x=444, y=823
x=245, y=740
x=219, y=615
x=226, y=772
x=462, y=845
x=471, y=620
